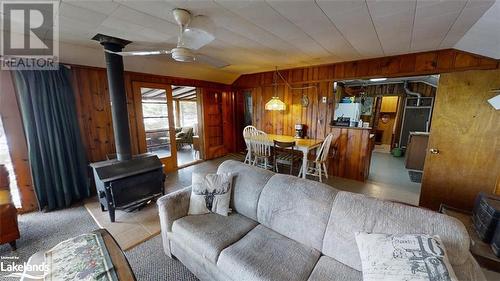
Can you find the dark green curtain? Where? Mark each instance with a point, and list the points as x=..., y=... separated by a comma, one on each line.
x=56, y=152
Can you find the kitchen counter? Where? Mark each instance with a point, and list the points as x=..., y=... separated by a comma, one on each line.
x=353, y=149
x=357, y=128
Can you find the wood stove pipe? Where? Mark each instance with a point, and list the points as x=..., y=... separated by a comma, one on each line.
x=117, y=94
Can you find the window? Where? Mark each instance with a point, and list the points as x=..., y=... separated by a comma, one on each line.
x=155, y=117
x=5, y=160
x=188, y=114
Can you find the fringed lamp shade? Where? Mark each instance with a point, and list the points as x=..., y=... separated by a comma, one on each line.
x=275, y=104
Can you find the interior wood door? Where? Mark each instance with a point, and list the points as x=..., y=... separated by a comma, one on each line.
x=212, y=115
x=464, y=137
x=155, y=121
x=218, y=122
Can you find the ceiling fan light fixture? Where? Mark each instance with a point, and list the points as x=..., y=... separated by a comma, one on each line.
x=183, y=55
x=182, y=16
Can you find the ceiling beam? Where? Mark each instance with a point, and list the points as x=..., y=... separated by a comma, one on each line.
x=153, y=93
x=189, y=97
x=190, y=93
x=182, y=90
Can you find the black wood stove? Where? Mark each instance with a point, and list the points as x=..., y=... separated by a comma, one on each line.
x=126, y=182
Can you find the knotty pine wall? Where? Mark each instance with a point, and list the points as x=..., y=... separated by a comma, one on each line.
x=94, y=108
x=317, y=115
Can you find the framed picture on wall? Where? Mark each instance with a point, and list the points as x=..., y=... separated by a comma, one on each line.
x=366, y=105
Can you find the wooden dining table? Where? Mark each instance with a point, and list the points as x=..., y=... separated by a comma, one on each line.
x=302, y=145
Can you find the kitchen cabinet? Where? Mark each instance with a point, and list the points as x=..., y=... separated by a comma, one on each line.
x=389, y=104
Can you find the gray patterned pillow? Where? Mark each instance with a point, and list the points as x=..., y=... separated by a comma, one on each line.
x=397, y=257
x=210, y=193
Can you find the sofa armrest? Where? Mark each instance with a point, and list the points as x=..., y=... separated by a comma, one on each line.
x=469, y=270
x=172, y=207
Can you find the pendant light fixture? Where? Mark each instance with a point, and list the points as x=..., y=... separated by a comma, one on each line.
x=275, y=103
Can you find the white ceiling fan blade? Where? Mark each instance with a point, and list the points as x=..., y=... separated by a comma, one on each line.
x=140, y=53
x=211, y=61
x=199, y=32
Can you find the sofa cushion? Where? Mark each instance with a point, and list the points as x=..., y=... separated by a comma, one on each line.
x=328, y=269
x=209, y=234
x=296, y=208
x=248, y=183
x=263, y=254
x=210, y=193
x=353, y=213
x=417, y=257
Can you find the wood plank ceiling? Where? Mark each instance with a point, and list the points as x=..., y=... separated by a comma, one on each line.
x=184, y=93
x=255, y=36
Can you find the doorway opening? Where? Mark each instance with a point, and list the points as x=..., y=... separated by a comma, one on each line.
x=247, y=108
x=187, y=130
x=399, y=112
x=156, y=121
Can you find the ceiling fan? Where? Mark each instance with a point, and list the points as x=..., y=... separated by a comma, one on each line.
x=194, y=33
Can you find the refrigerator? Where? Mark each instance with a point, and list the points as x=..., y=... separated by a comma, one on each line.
x=351, y=110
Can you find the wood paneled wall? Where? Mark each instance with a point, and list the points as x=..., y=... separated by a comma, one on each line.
x=316, y=116
x=424, y=63
x=94, y=108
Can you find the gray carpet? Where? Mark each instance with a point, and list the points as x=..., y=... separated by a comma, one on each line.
x=149, y=262
x=41, y=231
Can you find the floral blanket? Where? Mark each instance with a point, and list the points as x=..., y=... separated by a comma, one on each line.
x=84, y=257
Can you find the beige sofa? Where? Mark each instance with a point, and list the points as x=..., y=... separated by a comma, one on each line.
x=286, y=228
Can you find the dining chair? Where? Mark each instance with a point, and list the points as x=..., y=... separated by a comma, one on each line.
x=261, y=149
x=284, y=153
x=247, y=132
x=317, y=167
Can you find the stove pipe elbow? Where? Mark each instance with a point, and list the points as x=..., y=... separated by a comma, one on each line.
x=410, y=93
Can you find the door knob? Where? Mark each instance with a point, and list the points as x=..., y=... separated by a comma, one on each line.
x=434, y=150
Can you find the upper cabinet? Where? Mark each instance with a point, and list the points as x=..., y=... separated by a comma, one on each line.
x=389, y=104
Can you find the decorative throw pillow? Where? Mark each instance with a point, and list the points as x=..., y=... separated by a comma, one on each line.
x=397, y=257
x=210, y=193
